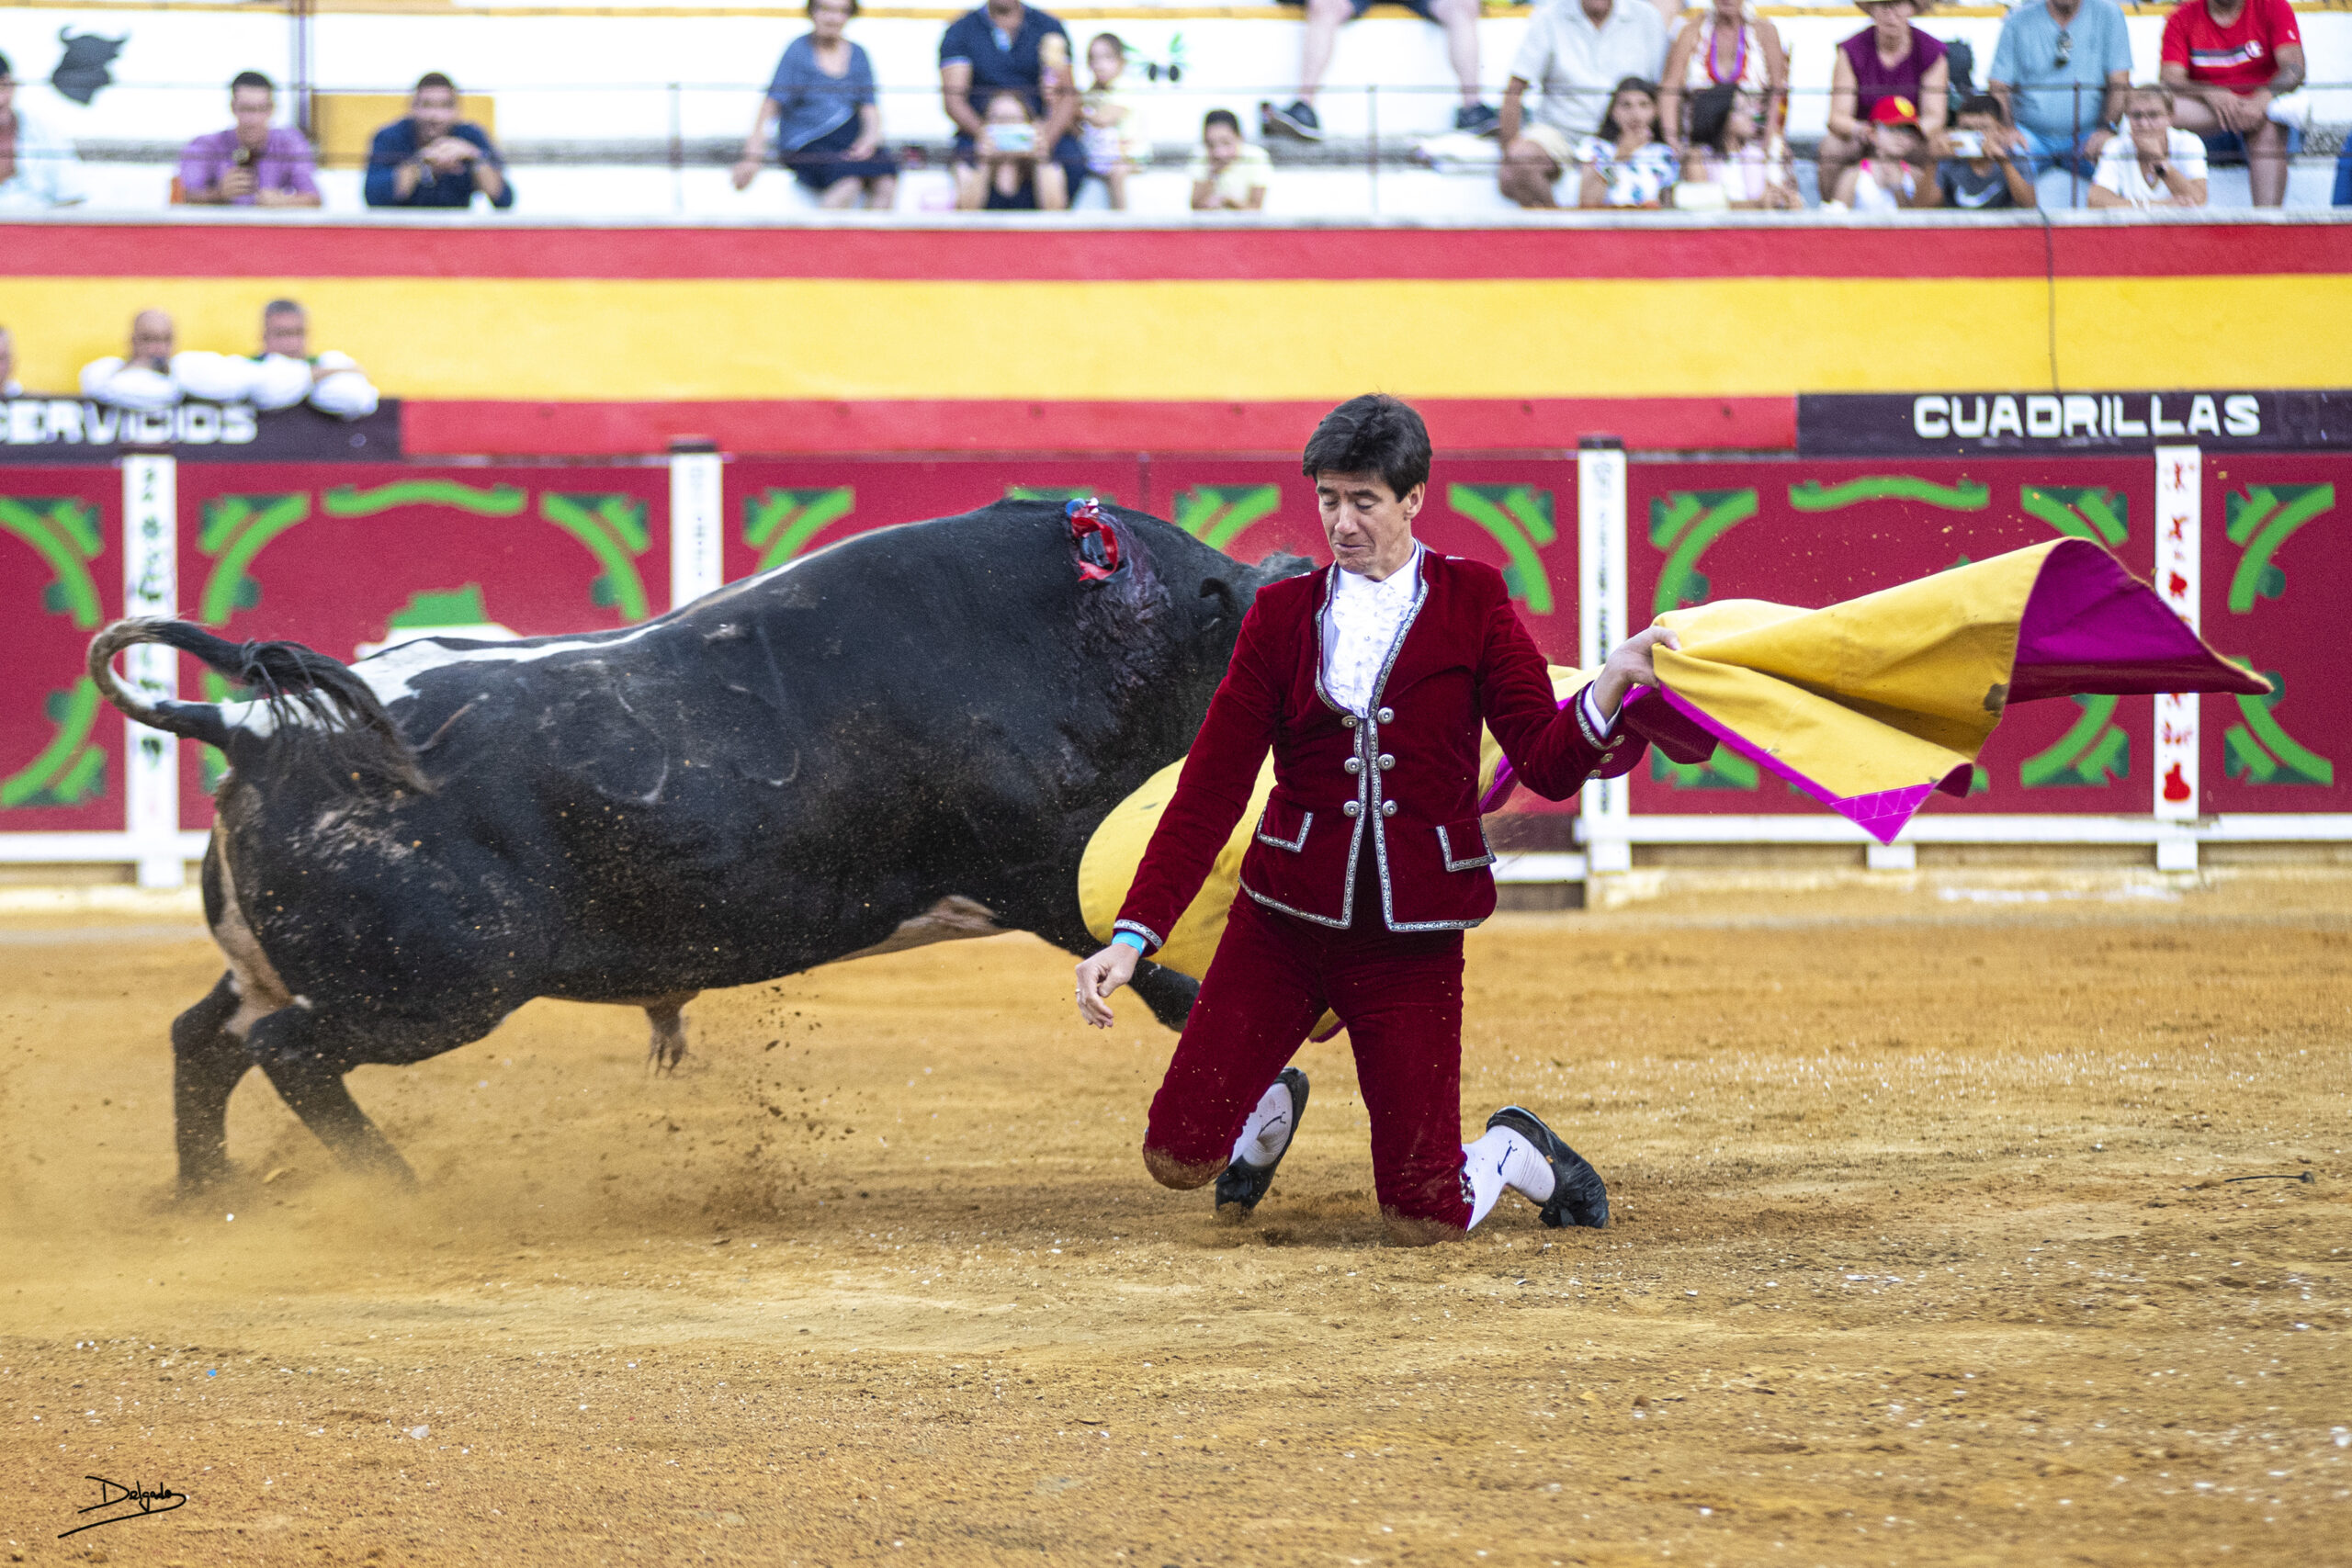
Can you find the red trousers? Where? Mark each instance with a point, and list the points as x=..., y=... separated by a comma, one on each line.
x=1400, y=996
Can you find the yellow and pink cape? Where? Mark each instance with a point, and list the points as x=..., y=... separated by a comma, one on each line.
x=1867, y=705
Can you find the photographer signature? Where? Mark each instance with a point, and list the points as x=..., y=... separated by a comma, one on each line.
x=112, y=1493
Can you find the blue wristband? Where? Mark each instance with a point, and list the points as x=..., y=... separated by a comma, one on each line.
x=1129, y=938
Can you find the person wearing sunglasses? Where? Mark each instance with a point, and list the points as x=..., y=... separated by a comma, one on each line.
x=2152, y=163
x=2060, y=70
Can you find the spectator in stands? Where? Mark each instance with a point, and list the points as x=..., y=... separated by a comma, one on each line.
x=2228, y=63
x=1894, y=173
x=1006, y=165
x=1888, y=58
x=1625, y=163
x=1324, y=20
x=2154, y=164
x=1983, y=172
x=1728, y=161
x=1008, y=47
x=1112, y=129
x=282, y=374
x=2060, y=70
x=433, y=158
x=1228, y=173
x=144, y=378
x=9, y=386
x=1574, y=53
x=1726, y=45
x=2344, y=174
x=254, y=164
x=827, y=117
x=38, y=167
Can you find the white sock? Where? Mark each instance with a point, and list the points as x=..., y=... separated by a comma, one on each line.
x=1267, y=1132
x=1502, y=1158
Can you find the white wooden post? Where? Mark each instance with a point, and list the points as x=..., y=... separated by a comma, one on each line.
x=151, y=587
x=2180, y=494
x=1607, y=804
x=696, y=552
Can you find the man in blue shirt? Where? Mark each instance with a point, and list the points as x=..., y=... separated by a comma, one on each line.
x=2061, y=69
x=1007, y=47
x=433, y=158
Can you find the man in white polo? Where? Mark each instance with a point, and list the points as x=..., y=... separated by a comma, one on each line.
x=1575, y=53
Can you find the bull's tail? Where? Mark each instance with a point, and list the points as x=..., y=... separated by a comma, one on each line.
x=302, y=691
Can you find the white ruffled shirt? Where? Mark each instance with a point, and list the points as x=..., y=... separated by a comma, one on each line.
x=1362, y=626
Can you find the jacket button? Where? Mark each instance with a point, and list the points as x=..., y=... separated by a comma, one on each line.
x=1347, y=719
x=1386, y=761
x=1353, y=808
x=1353, y=764
x=1387, y=714
x=1388, y=809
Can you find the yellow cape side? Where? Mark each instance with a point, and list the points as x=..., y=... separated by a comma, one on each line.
x=1896, y=688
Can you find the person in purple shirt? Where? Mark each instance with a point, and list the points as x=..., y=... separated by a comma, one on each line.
x=253, y=165
x=1888, y=58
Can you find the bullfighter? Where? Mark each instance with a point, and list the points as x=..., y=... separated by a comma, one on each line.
x=1369, y=681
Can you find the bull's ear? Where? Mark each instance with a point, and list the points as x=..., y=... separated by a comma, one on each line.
x=1220, y=602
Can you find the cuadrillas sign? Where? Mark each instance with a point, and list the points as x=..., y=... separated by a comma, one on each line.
x=1959, y=424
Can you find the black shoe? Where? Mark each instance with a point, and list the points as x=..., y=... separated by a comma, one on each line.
x=1477, y=119
x=1578, y=1198
x=1242, y=1184
x=1297, y=120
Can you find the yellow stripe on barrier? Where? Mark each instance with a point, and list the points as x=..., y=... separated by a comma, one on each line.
x=790, y=338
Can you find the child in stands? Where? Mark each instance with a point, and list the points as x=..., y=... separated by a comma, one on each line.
x=1730, y=164
x=1626, y=164
x=1896, y=174
x=1982, y=173
x=1228, y=173
x=1108, y=119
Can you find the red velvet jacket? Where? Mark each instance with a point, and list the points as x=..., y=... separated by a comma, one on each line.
x=1408, y=771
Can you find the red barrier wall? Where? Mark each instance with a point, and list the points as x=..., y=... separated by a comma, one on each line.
x=61, y=580
x=2278, y=550
x=346, y=556
x=1813, y=533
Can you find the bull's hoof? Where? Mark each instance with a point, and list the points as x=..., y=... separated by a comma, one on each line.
x=204, y=1185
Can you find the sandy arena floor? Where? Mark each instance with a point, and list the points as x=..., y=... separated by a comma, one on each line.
x=1924, y=1255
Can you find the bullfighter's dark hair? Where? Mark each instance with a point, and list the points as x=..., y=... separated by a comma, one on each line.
x=253, y=79
x=852, y=7
x=282, y=308
x=1225, y=118
x=435, y=79
x=1375, y=433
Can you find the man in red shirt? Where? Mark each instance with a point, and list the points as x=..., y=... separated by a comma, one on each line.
x=2226, y=61
x=1369, y=680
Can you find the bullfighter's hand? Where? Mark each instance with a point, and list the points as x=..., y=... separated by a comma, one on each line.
x=1099, y=976
x=1629, y=666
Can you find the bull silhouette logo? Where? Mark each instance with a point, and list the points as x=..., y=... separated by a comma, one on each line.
x=83, y=70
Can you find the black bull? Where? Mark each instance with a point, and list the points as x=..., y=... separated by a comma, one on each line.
x=907, y=737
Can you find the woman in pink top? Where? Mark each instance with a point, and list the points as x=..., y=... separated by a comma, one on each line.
x=1888, y=58
x=1727, y=45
